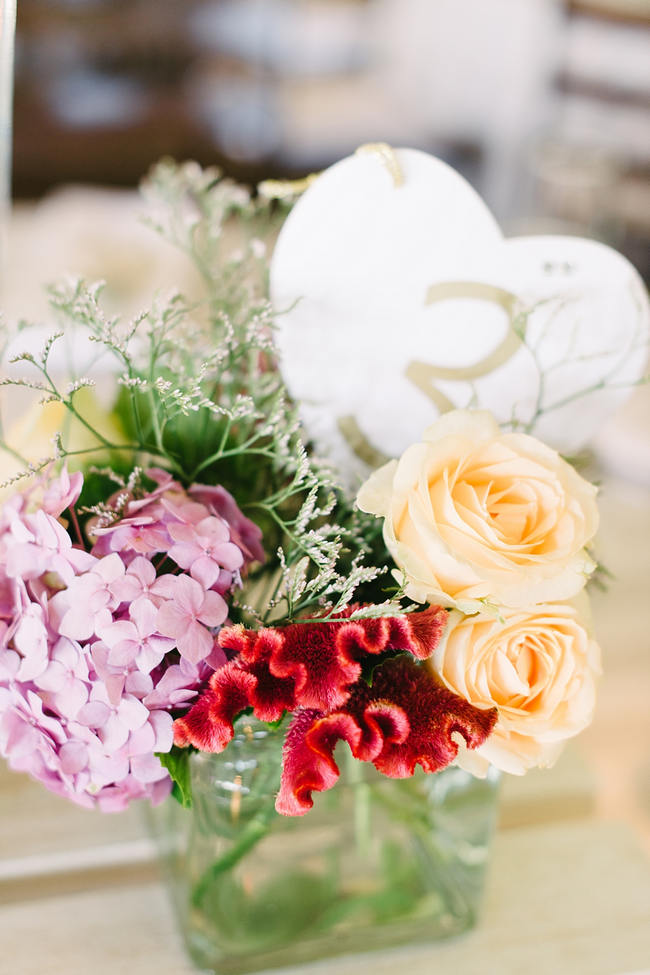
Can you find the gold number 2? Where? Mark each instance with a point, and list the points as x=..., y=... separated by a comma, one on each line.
x=424, y=374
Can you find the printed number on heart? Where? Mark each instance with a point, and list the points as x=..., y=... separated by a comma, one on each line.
x=424, y=374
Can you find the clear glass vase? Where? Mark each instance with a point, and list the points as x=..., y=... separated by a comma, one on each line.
x=376, y=863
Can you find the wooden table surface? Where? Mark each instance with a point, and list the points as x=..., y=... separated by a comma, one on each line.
x=568, y=890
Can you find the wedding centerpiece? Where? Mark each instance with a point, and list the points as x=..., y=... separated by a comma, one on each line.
x=316, y=682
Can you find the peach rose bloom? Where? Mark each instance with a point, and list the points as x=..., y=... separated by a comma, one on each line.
x=537, y=666
x=473, y=515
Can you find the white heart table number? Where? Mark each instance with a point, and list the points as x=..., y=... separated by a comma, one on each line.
x=399, y=298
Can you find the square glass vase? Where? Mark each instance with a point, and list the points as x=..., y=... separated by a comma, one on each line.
x=377, y=863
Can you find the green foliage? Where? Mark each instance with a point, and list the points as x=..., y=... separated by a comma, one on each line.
x=371, y=664
x=177, y=763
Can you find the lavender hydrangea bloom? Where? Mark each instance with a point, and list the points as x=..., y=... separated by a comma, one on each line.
x=95, y=649
x=245, y=533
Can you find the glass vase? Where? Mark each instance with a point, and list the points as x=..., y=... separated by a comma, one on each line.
x=376, y=863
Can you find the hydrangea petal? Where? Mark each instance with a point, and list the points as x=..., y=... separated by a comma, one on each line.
x=91, y=730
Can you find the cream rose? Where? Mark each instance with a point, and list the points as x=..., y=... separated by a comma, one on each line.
x=538, y=667
x=472, y=514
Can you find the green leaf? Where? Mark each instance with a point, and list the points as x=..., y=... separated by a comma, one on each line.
x=371, y=664
x=274, y=725
x=177, y=763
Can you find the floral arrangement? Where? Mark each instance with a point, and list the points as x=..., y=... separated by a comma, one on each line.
x=198, y=563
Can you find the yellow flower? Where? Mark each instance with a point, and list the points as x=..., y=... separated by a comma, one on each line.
x=472, y=514
x=32, y=434
x=537, y=666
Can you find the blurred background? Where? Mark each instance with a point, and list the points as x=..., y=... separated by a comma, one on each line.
x=543, y=105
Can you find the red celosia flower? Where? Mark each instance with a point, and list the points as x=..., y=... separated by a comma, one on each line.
x=208, y=725
x=323, y=659
x=303, y=665
x=404, y=719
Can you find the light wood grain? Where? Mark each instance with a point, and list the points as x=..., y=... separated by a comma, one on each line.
x=51, y=847
x=34, y=821
x=569, y=899
x=616, y=747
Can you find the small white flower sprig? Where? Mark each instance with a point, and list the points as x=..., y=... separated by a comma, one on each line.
x=198, y=393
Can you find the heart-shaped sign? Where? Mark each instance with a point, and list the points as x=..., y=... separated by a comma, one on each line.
x=399, y=298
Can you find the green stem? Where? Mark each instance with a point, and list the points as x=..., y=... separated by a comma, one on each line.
x=102, y=439
x=250, y=836
x=75, y=522
x=14, y=453
x=285, y=528
x=233, y=452
x=92, y=450
x=270, y=599
x=157, y=431
x=135, y=412
x=361, y=804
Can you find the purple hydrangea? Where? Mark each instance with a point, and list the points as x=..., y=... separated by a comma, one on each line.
x=97, y=648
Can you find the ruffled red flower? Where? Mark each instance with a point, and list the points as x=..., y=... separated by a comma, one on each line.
x=323, y=660
x=404, y=719
x=303, y=665
x=208, y=725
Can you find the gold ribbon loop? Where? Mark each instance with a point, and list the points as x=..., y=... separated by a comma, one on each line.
x=385, y=154
x=285, y=189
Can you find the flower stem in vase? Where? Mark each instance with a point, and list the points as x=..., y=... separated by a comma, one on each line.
x=361, y=802
x=249, y=837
